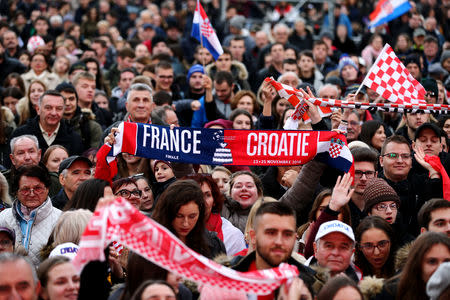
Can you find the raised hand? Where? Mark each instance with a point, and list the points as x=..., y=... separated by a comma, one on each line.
x=341, y=194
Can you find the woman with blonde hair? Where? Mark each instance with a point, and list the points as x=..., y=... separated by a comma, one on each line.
x=68, y=229
x=26, y=108
x=5, y=200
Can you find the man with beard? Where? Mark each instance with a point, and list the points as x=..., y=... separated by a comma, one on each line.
x=274, y=234
x=8, y=65
x=11, y=43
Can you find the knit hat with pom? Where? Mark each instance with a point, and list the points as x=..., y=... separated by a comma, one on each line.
x=378, y=190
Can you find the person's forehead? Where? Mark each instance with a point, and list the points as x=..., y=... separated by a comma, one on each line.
x=85, y=81
x=277, y=222
x=440, y=213
x=393, y=146
x=164, y=71
x=128, y=186
x=364, y=165
x=25, y=143
x=67, y=94
x=139, y=94
x=47, y=99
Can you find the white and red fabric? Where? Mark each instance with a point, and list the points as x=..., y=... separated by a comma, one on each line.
x=392, y=80
x=120, y=221
x=295, y=97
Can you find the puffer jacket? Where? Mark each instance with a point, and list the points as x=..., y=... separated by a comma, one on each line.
x=38, y=228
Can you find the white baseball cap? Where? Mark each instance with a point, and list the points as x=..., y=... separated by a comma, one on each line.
x=67, y=249
x=334, y=226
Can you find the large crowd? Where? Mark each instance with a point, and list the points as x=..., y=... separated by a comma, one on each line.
x=72, y=71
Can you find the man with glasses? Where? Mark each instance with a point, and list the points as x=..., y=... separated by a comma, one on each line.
x=412, y=188
x=72, y=172
x=32, y=215
x=164, y=77
x=365, y=162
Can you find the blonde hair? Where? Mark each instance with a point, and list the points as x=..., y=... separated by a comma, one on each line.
x=70, y=226
x=251, y=219
x=4, y=192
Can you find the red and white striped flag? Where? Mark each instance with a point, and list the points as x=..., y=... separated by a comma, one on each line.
x=295, y=97
x=390, y=79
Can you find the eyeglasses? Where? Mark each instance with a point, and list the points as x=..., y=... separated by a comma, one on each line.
x=37, y=190
x=5, y=243
x=370, y=247
x=127, y=194
x=383, y=207
x=404, y=156
x=369, y=174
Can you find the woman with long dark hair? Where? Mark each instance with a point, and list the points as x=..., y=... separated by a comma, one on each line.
x=231, y=236
x=181, y=209
x=428, y=251
x=376, y=247
x=373, y=133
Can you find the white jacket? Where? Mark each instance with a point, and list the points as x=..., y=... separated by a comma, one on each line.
x=37, y=230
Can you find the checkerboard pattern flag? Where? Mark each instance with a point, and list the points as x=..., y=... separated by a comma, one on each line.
x=335, y=150
x=390, y=79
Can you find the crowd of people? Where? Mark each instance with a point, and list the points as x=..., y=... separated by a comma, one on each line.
x=72, y=71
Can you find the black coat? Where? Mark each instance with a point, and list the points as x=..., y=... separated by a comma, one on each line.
x=66, y=136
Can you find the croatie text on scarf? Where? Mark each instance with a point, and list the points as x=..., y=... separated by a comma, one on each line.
x=232, y=147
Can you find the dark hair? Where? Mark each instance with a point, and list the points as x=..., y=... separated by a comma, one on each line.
x=16, y=76
x=159, y=115
x=275, y=208
x=177, y=194
x=140, y=270
x=126, y=52
x=130, y=70
x=368, y=130
x=411, y=275
x=367, y=223
x=334, y=285
x=237, y=112
x=87, y=194
x=162, y=97
x=224, y=76
x=13, y=92
x=256, y=179
x=424, y=215
x=215, y=191
x=281, y=121
x=289, y=61
x=47, y=265
x=67, y=88
x=101, y=42
x=35, y=171
x=99, y=77
x=138, y=294
x=307, y=53
x=398, y=139
x=275, y=44
x=364, y=154
x=42, y=18
x=319, y=42
x=164, y=65
x=117, y=184
x=237, y=38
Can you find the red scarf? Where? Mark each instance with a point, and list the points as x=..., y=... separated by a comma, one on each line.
x=435, y=162
x=214, y=223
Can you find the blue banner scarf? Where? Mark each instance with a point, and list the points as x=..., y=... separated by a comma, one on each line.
x=232, y=147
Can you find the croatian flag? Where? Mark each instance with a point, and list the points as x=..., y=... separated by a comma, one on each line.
x=204, y=32
x=388, y=10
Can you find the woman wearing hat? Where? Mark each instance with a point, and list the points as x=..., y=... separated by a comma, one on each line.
x=381, y=200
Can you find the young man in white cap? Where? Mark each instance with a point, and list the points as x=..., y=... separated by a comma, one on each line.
x=333, y=248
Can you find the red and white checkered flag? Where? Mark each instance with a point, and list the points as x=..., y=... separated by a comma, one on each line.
x=390, y=79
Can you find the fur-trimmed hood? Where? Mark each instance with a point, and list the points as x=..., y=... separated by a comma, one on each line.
x=238, y=70
x=401, y=256
x=370, y=286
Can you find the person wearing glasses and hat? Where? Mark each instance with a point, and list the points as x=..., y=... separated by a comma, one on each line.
x=32, y=215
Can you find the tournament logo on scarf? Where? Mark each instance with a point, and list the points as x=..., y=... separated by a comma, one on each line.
x=231, y=147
